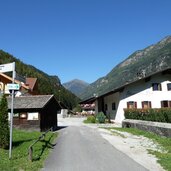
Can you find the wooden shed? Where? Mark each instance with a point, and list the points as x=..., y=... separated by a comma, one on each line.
x=35, y=112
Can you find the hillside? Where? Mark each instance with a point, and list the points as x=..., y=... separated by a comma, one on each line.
x=76, y=86
x=141, y=63
x=47, y=84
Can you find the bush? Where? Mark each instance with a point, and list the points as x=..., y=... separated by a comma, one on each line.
x=90, y=119
x=101, y=117
x=4, y=125
x=156, y=115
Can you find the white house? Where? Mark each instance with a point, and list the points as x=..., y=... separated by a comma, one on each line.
x=153, y=91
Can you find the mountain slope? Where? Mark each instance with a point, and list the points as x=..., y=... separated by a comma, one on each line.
x=76, y=86
x=141, y=63
x=47, y=84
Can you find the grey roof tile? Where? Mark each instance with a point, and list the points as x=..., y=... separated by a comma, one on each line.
x=29, y=102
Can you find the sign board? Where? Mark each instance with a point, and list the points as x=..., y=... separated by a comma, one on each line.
x=7, y=67
x=13, y=86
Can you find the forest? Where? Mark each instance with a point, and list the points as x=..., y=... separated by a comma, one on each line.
x=47, y=84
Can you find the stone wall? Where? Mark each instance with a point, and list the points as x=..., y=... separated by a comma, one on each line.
x=163, y=129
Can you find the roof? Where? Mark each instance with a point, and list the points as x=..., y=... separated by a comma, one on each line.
x=122, y=87
x=90, y=100
x=30, y=102
x=167, y=70
x=31, y=82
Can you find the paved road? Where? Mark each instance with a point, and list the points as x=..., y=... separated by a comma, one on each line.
x=80, y=148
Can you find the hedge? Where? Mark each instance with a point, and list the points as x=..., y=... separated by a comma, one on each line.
x=155, y=115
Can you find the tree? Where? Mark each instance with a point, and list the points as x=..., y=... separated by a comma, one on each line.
x=4, y=125
x=77, y=108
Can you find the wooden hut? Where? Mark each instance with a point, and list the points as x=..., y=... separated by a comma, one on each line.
x=35, y=112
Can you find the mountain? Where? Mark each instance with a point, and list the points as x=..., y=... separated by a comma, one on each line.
x=140, y=64
x=47, y=84
x=76, y=86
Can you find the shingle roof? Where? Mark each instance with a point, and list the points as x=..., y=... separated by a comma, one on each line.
x=30, y=102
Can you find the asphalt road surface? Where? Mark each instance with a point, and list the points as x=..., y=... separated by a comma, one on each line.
x=80, y=148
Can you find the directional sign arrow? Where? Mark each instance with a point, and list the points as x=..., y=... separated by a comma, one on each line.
x=13, y=86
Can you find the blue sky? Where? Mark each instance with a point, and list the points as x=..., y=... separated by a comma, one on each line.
x=81, y=39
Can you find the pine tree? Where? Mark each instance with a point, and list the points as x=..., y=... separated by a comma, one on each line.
x=4, y=125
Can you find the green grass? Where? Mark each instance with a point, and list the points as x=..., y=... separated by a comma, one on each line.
x=89, y=122
x=163, y=158
x=21, y=142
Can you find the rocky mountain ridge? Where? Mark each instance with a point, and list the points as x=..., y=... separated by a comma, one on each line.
x=141, y=63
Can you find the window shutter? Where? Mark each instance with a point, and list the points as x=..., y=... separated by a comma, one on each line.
x=160, y=87
x=143, y=105
x=162, y=104
x=169, y=104
x=169, y=86
x=127, y=105
x=135, y=105
x=149, y=104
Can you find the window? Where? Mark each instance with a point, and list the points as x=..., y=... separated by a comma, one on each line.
x=16, y=115
x=156, y=87
x=113, y=106
x=165, y=103
x=131, y=105
x=146, y=104
x=23, y=115
x=169, y=86
x=33, y=116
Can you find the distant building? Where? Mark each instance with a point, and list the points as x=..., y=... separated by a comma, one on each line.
x=88, y=107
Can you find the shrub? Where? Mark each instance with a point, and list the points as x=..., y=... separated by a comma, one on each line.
x=101, y=117
x=90, y=119
x=156, y=115
x=4, y=126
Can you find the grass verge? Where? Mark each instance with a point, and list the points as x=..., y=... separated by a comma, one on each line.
x=163, y=158
x=21, y=142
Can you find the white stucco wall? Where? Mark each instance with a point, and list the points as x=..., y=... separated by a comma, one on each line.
x=142, y=91
x=113, y=98
x=96, y=106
